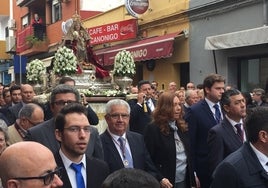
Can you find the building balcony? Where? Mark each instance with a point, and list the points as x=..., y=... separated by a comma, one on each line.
x=25, y=3
x=29, y=43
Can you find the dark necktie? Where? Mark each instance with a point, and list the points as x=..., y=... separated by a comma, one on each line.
x=78, y=175
x=127, y=160
x=239, y=131
x=217, y=113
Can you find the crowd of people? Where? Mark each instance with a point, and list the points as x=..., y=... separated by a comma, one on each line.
x=206, y=135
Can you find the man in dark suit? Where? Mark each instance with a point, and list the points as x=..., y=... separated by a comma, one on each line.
x=201, y=117
x=5, y=114
x=27, y=94
x=247, y=167
x=141, y=108
x=43, y=133
x=72, y=130
x=92, y=116
x=227, y=137
x=122, y=148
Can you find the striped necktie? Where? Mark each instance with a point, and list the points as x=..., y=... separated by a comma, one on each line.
x=127, y=159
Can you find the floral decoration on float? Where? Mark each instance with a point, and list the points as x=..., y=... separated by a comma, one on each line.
x=124, y=69
x=65, y=62
x=34, y=71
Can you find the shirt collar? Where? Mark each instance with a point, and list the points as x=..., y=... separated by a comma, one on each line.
x=211, y=104
x=67, y=162
x=262, y=158
x=115, y=137
x=233, y=123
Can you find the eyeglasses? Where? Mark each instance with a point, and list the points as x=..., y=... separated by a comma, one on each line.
x=47, y=178
x=76, y=129
x=258, y=94
x=63, y=103
x=117, y=116
x=33, y=123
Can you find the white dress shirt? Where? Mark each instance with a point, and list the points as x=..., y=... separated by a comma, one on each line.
x=71, y=173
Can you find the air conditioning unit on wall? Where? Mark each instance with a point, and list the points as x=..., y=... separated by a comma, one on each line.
x=11, y=24
x=10, y=44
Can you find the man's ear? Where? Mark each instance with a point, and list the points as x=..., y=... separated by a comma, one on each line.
x=12, y=183
x=58, y=135
x=263, y=136
x=226, y=108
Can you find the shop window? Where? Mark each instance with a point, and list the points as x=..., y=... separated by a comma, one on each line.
x=253, y=73
x=56, y=11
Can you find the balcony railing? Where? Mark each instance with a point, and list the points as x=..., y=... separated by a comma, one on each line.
x=22, y=43
x=27, y=44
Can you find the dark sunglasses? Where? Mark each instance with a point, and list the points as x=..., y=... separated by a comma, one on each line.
x=47, y=178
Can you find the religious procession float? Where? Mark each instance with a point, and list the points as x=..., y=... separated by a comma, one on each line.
x=76, y=59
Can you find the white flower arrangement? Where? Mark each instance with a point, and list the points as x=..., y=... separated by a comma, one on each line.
x=35, y=69
x=95, y=92
x=124, y=64
x=65, y=62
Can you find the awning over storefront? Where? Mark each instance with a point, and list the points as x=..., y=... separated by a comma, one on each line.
x=151, y=48
x=238, y=39
x=47, y=61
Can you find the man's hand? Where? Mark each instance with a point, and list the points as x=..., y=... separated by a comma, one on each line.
x=165, y=183
x=140, y=98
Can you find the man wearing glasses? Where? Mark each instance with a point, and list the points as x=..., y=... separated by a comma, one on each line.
x=29, y=164
x=44, y=133
x=258, y=97
x=29, y=116
x=123, y=148
x=72, y=130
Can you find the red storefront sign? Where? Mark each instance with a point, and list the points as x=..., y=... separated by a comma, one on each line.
x=151, y=48
x=113, y=32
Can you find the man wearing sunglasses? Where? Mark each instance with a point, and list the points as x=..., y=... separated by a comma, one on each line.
x=29, y=164
x=72, y=130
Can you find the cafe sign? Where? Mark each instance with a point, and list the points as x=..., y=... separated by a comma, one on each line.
x=136, y=7
x=116, y=31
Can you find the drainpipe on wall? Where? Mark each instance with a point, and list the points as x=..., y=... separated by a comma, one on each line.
x=265, y=10
x=215, y=62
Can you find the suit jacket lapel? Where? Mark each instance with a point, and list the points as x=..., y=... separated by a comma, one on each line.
x=253, y=163
x=208, y=111
x=64, y=175
x=231, y=133
x=112, y=148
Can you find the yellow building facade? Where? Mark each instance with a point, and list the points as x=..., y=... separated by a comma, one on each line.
x=162, y=18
